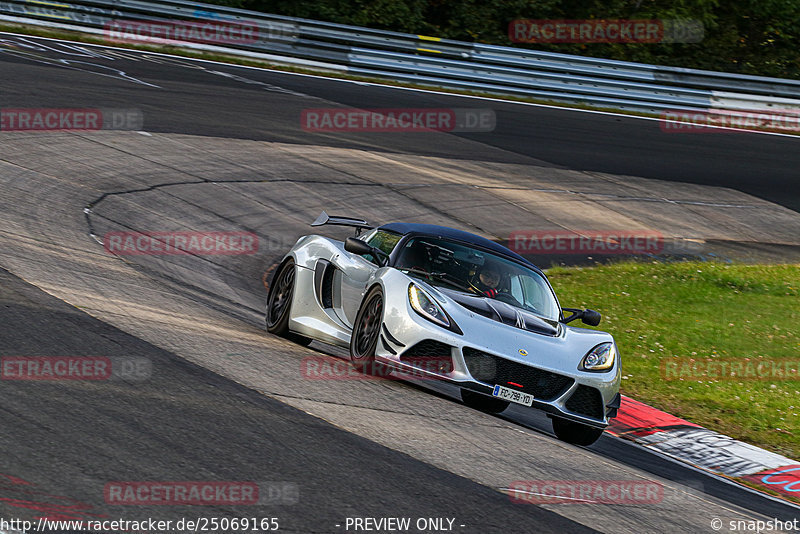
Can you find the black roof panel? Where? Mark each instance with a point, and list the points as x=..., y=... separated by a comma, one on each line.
x=457, y=235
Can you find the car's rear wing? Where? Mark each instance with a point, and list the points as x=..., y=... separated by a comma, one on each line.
x=358, y=224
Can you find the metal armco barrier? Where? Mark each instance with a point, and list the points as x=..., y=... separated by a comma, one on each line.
x=433, y=61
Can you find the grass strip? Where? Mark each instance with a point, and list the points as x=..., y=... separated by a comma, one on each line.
x=676, y=323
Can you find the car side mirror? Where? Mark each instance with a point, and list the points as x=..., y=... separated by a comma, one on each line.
x=590, y=317
x=356, y=246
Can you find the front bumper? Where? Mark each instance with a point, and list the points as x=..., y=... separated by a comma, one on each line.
x=577, y=401
x=489, y=354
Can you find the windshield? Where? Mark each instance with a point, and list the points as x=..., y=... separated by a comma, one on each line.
x=461, y=267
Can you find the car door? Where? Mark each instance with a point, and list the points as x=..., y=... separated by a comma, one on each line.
x=354, y=271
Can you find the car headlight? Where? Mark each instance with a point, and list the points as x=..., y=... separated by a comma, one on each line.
x=600, y=358
x=424, y=305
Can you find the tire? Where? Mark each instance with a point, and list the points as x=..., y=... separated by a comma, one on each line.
x=366, y=331
x=575, y=433
x=483, y=403
x=279, y=304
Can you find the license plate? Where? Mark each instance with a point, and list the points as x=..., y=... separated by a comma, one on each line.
x=513, y=395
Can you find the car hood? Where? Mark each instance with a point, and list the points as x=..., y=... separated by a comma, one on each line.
x=503, y=313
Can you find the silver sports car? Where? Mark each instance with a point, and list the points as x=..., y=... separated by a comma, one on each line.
x=449, y=305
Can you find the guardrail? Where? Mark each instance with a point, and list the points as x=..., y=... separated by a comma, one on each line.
x=432, y=61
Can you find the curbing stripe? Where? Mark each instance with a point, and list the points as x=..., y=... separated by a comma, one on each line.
x=705, y=449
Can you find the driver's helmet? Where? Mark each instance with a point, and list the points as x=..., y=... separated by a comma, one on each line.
x=488, y=279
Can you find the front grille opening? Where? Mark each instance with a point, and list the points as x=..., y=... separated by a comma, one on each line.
x=430, y=355
x=543, y=385
x=481, y=366
x=586, y=401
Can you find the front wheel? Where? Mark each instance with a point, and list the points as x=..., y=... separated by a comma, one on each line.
x=575, y=433
x=482, y=402
x=366, y=330
x=279, y=304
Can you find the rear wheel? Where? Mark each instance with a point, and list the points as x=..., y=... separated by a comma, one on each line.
x=366, y=330
x=279, y=304
x=575, y=433
x=483, y=402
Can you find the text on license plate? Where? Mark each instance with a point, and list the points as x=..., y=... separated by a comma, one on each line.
x=513, y=395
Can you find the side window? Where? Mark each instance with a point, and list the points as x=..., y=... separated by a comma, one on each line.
x=536, y=293
x=368, y=236
x=516, y=289
x=383, y=241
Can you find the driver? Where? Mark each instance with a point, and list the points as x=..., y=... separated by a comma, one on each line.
x=488, y=281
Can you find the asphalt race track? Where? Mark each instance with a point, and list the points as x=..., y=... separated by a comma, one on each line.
x=187, y=422
x=221, y=148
